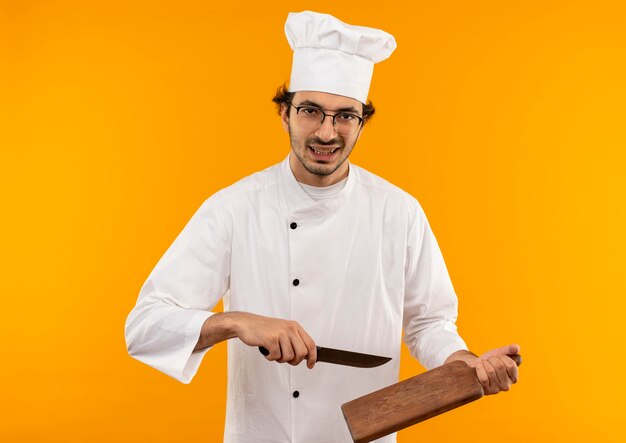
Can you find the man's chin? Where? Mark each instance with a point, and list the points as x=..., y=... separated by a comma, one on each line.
x=322, y=171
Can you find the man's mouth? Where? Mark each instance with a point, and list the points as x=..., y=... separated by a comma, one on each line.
x=327, y=152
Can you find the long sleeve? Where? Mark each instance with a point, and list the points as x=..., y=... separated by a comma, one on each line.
x=430, y=306
x=189, y=280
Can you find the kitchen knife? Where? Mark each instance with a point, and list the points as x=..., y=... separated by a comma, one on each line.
x=413, y=400
x=347, y=358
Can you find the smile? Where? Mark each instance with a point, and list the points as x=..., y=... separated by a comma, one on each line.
x=322, y=152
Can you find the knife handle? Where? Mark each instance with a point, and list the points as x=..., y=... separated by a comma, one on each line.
x=266, y=352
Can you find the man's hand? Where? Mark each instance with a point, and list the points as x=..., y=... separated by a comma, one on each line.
x=496, y=371
x=286, y=340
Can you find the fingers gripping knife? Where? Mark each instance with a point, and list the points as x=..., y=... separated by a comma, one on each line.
x=413, y=400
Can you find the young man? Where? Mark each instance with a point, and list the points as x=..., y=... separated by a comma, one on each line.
x=312, y=251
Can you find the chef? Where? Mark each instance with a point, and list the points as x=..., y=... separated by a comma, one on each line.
x=311, y=251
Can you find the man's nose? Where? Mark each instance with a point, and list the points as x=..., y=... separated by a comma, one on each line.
x=326, y=131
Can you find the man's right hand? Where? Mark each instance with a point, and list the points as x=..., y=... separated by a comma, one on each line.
x=286, y=340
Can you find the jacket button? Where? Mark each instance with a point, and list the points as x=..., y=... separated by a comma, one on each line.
x=293, y=225
x=296, y=394
x=296, y=282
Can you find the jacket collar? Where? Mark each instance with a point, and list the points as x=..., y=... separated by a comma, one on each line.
x=298, y=201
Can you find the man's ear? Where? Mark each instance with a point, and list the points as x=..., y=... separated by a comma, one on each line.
x=284, y=116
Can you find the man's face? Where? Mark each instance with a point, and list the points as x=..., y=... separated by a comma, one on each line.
x=320, y=153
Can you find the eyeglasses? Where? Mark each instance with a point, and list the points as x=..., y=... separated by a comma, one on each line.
x=311, y=118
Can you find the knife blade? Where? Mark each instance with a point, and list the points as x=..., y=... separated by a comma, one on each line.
x=346, y=358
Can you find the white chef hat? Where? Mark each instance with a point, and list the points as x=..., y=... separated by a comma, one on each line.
x=332, y=56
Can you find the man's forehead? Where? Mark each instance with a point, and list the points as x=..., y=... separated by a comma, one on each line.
x=327, y=100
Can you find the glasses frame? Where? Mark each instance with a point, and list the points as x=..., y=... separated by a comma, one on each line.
x=334, y=116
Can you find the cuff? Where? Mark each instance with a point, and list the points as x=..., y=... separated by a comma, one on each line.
x=192, y=359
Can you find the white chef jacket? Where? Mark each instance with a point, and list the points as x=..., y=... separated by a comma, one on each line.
x=367, y=266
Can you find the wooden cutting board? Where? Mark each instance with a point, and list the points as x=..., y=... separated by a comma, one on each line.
x=411, y=401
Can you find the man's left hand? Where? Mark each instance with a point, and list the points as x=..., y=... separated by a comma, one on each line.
x=496, y=371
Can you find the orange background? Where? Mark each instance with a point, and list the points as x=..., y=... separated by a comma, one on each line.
x=118, y=119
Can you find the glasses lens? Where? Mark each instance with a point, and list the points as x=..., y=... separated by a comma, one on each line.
x=309, y=118
x=346, y=123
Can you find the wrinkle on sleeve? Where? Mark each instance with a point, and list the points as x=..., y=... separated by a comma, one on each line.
x=192, y=276
x=430, y=304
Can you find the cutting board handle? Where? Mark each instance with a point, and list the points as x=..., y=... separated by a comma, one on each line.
x=516, y=358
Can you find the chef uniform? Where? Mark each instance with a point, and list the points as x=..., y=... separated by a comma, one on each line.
x=354, y=267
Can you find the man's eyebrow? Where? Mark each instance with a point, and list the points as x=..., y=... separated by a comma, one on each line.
x=316, y=105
